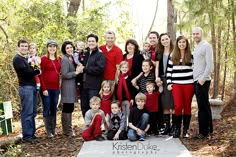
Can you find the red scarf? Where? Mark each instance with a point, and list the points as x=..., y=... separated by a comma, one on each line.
x=121, y=84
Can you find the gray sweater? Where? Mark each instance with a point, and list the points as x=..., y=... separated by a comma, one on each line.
x=203, y=61
x=89, y=117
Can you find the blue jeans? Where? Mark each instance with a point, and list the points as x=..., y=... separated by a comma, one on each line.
x=50, y=103
x=28, y=97
x=86, y=95
x=132, y=134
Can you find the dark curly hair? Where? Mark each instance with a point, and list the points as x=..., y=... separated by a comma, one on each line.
x=133, y=42
x=63, y=47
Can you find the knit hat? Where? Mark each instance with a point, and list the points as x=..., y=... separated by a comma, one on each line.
x=51, y=42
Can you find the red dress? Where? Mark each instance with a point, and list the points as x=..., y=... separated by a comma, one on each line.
x=106, y=103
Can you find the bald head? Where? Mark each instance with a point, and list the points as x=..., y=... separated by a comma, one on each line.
x=197, y=34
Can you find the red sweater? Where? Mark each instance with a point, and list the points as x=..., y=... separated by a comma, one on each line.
x=152, y=101
x=50, y=76
x=153, y=52
x=113, y=57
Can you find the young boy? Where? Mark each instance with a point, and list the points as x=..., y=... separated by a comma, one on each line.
x=94, y=118
x=146, y=52
x=138, y=119
x=78, y=54
x=116, y=123
x=152, y=106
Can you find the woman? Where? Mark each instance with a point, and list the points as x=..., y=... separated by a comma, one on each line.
x=51, y=67
x=133, y=57
x=68, y=86
x=180, y=81
x=165, y=48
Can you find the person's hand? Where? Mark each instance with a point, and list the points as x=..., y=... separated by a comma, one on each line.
x=145, y=56
x=45, y=92
x=201, y=82
x=79, y=69
x=131, y=103
x=140, y=132
x=158, y=81
x=134, y=82
x=169, y=87
x=116, y=137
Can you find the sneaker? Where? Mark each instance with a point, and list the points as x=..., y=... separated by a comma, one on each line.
x=99, y=138
x=141, y=138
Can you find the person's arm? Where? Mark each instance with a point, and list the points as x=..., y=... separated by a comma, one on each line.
x=134, y=81
x=209, y=64
x=158, y=79
x=65, y=69
x=169, y=74
x=43, y=86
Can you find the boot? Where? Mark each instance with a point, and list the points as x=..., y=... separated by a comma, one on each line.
x=53, y=123
x=186, y=122
x=167, y=124
x=66, y=119
x=178, y=120
x=172, y=128
x=47, y=123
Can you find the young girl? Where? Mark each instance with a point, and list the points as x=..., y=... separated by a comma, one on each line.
x=34, y=61
x=116, y=123
x=147, y=75
x=106, y=97
x=125, y=91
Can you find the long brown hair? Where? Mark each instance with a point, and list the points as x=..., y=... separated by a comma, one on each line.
x=55, y=55
x=176, y=55
x=161, y=47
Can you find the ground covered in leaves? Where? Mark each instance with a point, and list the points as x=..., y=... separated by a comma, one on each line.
x=222, y=143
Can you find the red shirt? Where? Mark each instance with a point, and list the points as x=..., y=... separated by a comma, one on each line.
x=152, y=101
x=153, y=52
x=106, y=103
x=130, y=61
x=113, y=57
x=50, y=76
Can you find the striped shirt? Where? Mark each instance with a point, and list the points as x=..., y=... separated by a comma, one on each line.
x=179, y=74
x=143, y=80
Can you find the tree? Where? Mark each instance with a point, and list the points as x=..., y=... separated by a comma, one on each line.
x=171, y=20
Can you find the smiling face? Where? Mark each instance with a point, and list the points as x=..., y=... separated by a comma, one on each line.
x=197, y=35
x=140, y=103
x=146, y=67
x=32, y=49
x=110, y=40
x=115, y=109
x=182, y=44
x=52, y=49
x=130, y=48
x=69, y=49
x=124, y=68
x=153, y=39
x=23, y=48
x=92, y=44
x=165, y=40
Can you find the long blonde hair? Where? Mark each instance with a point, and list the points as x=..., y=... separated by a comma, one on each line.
x=118, y=70
x=103, y=84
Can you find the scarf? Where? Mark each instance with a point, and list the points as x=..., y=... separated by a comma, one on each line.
x=121, y=84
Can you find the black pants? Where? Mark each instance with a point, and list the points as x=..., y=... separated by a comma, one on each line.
x=112, y=133
x=160, y=115
x=204, y=109
x=153, y=122
x=68, y=107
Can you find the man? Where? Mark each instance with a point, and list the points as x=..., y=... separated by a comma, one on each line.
x=203, y=61
x=153, y=39
x=113, y=55
x=27, y=91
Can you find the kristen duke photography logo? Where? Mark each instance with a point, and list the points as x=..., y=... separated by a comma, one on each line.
x=137, y=148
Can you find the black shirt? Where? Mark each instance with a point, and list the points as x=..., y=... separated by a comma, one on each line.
x=135, y=115
x=24, y=72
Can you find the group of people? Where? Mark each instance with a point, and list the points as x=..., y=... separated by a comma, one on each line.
x=128, y=95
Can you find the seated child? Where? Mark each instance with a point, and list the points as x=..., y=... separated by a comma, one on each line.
x=138, y=119
x=152, y=106
x=94, y=118
x=116, y=123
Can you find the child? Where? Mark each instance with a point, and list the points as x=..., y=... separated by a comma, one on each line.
x=146, y=52
x=116, y=123
x=138, y=119
x=125, y=90
x=106, y=97
x=34, y=61
x=147, y=75
x=94, y=118
x=78, y=54
x=152, y=106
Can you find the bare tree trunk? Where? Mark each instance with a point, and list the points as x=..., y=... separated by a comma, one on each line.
x=213, y=38
x=234, y=45
x=171, y=20
x=226, y=60
x=153, y=20
x=73, y=7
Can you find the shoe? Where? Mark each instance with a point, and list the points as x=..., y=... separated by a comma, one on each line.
x=99, y=138
x=141, y=138
x=201, y=136
x=28, y=140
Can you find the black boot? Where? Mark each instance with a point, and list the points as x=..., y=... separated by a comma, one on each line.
x=167, y=124
x=172, y=128
x=186, y=122
x=178, y=120
x=47, y=123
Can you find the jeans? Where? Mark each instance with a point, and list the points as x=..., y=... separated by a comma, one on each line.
x=50, y=103
x=132, y=135
x=86, y=95
x=204, y=109
x=28, y=97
